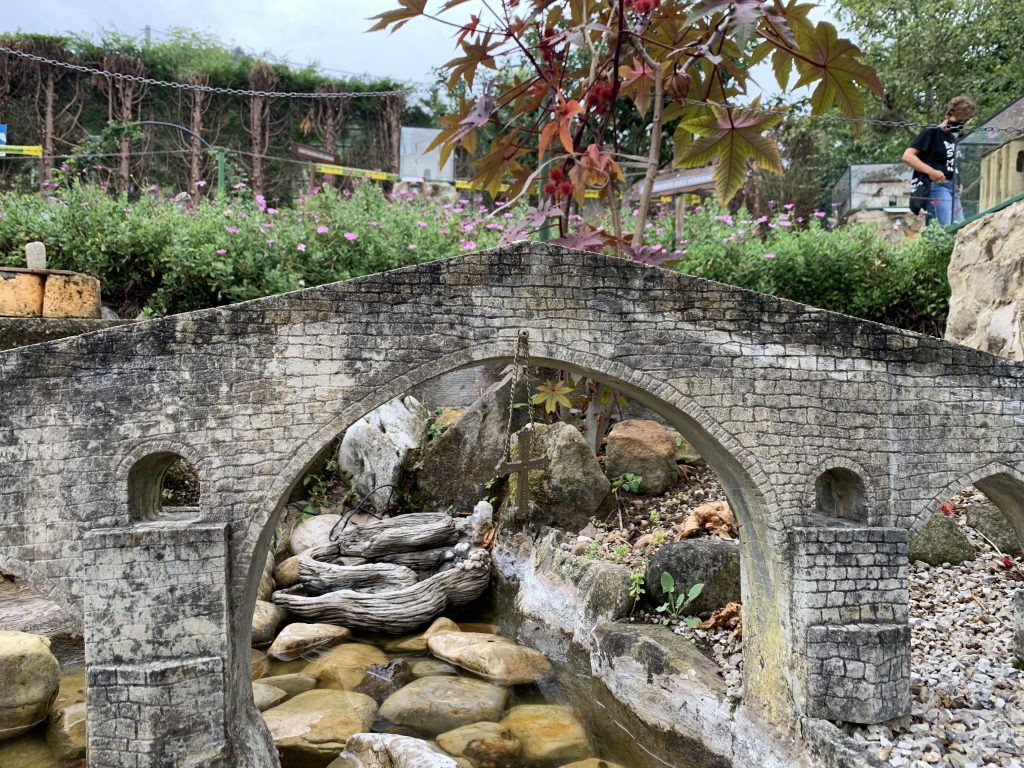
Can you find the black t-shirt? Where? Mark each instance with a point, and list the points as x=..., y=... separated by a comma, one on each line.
x=937, y=148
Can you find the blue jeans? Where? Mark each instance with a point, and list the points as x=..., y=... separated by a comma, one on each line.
x=944, y=205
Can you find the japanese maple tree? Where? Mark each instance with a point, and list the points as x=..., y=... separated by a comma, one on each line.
x=683, y=64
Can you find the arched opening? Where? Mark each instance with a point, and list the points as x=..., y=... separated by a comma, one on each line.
x=757, y=570
x=839, y=493
x=163, y=486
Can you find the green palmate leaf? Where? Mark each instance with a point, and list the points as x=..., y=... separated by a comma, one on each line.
x=782, y=66
x=476, y=54
x=732, y=139
x=836, y=63
x=395, y=19
x=552, y=394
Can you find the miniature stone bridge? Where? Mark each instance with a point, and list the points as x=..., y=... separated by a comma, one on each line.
x=788, y=404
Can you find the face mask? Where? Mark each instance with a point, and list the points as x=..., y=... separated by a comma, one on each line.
x=954, y=127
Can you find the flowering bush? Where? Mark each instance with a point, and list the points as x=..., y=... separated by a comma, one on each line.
x=164, y=258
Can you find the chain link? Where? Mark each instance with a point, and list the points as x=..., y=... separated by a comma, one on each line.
x=204, y=88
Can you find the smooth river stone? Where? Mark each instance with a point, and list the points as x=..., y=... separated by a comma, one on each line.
x=431, y=668
x=266, y=618
x=418, y=643
x=487, y=744
x=298, y=639
x=592, y=762
x=286, y=574
x=344, y=666
x=440, y=704
x=549, y=734
x=65, y=733
x=29, y=679
x=492, y=657
x=292, y=684
x=267, y=696
x=394, y=751
x=312, y=728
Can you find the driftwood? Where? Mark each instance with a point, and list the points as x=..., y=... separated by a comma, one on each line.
x=318, y=577
x=424, y=561
x=389, y=750
x=405, y=533
x=395, y=611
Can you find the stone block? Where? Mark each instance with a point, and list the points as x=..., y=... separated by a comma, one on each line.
x=21, y=293
x=71, y=295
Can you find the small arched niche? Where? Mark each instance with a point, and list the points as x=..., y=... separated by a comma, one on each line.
x=839, y=493
x=163, y=486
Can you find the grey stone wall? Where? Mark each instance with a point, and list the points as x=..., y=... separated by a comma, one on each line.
x=771, y=392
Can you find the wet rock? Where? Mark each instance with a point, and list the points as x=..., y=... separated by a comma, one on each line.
x=642, y=447
x=988, y=520
x=941, y=540
x=29, y=678
x=712, y=562
x=375, y=448
x=388, y=750
x=292, y=684
x=260, y=663
x=431, y=668
x=266, y=618
x=298, y=639
x=266, y=696
x=549, y=734
x=440, y=704
x=344, y=666
x=567, y=492
x=456, y=466
x=312, y=728
x=492, y=657
x=65, y=733
x=486, y=745
x=313, y=532
x=418, y=643
x=592, y=762
x=382, y=680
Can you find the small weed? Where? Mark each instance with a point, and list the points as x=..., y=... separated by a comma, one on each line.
x=627, y=482
x=676, y=604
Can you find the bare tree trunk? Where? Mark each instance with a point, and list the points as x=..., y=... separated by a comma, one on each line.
x=331, y=115
x=261, y=78
x=655, y=152
x=198, y=107
x=46, y=162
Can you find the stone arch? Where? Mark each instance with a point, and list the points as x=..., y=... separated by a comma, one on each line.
x=762, y=537
x=140, y=476
x=848, y=490
x=1003, y=484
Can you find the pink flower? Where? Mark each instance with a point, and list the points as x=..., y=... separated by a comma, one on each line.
x=789, y=206
x=239, y=185
x=468, y=245
x=261, y=202
x=200, y=183
x=820, y=214
x=301, y=247
x=222, y=250
x=421, y=224
x=784, y=223
x=302, y=282
x=351, y=236
x=769, y=255
x=232, y=230
x=322, y=230
x=726, y=218
x=271, y=210
x=271, y=242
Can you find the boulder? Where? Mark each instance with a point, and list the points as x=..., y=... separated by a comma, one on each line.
x=312, y=728
x=65, y=733
x=565, y=493
x=286, y=574
x=492, y=657
x=267, y=696
x=990, y=522
x=266, y=618
x=382, y=680
x=29, y=679
x=446, y=418
x=344, y=666
x=313, y=532
x=440, y=704
x=592, y=762
x=941, y=540
x=684, y=452
x=260, y=663
x=292, y=684
x=642, y=447
x=418, y=643
x=986, y=279
x=267, y=586
x=712, y=562
x=375, y=448
x=549, y=734
x=431, y=668
x=298, y=639
x=487, y=745
x=455, y=467
x=389, y=750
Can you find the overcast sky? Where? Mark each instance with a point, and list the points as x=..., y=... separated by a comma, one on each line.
x=329, y=33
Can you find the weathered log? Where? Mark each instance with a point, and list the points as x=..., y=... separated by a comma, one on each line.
x=425, y=561
x=389, y=750
x=395, y=611
x=318, y=577
x=404, y=533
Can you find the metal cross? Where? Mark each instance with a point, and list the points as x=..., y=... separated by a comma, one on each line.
x=522, y=469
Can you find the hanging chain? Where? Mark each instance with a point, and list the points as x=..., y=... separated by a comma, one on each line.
x=520, y=360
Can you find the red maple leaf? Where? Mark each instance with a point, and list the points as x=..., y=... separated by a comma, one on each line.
x=1006, y=561
x=947, y=509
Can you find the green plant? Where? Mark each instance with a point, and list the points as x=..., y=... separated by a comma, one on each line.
x=676, y=604
x=659, y=537
x=317, y=487
x=636, y=585
x=627, y=482
x=593, y=551
x=620, y=553
x=655, y=517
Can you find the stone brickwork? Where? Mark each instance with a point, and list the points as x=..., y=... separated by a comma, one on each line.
x=772, y=393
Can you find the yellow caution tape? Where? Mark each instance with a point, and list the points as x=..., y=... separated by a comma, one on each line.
x=23, y=151
x=361, y=173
